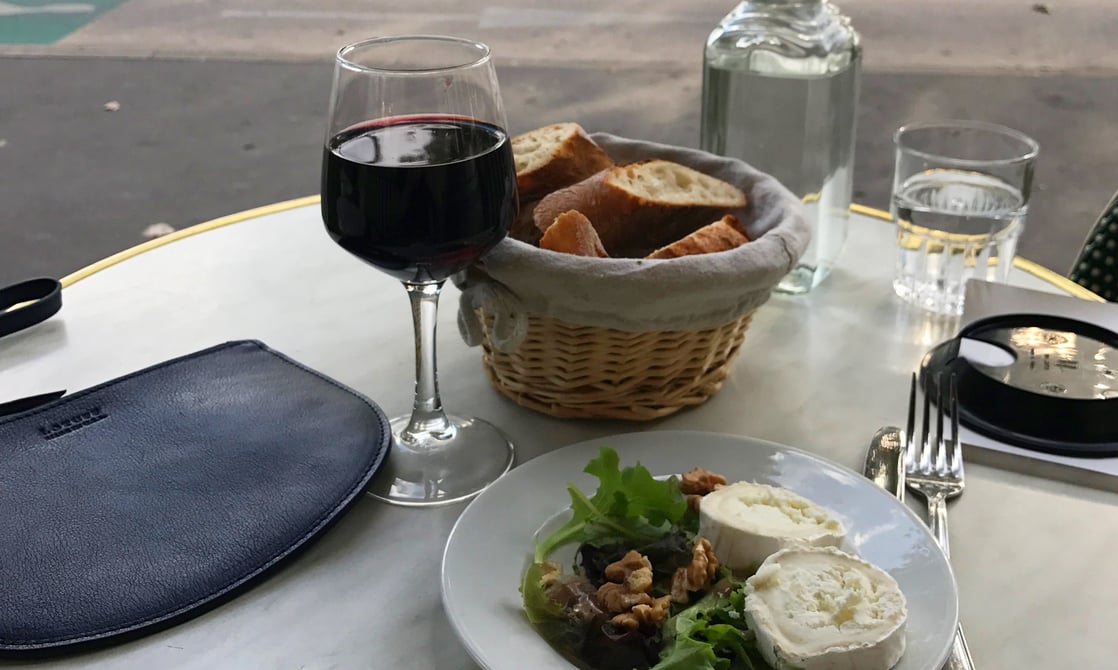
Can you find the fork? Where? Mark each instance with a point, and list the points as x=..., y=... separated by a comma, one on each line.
x=936, y=472
x=933, y=470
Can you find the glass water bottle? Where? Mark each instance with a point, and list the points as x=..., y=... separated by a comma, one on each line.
x=780, y=91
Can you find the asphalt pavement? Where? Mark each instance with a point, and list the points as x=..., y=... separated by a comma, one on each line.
x=135, y=113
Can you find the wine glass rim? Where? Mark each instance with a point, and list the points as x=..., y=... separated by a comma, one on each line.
x=1032, y=147
x=342, y=57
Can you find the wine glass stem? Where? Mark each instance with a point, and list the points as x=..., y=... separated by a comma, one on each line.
x=428, y=418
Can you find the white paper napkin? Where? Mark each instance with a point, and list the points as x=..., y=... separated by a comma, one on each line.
x=985, y=299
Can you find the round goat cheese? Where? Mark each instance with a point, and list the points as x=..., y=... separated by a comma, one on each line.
x=817, y=608
x=746, y=523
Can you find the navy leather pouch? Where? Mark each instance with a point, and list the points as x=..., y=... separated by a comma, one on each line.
x=148, y=499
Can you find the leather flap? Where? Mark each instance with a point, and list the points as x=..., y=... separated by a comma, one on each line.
x=149, y=498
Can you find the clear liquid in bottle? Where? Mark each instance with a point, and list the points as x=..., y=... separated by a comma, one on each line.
x=780, y=91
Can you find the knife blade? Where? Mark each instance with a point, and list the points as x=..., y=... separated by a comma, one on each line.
x=885, y=461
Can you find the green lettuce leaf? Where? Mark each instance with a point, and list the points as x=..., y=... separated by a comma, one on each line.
x=537, y=605
x=547, y=616
x=630, y=504
x=689, y=654
x=710, y=635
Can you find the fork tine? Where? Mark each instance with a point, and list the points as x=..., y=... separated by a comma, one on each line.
x=956, y=444
x=940, y=457
x=924, y=461
x=910, y=427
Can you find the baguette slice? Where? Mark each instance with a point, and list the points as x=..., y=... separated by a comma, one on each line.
x=550, y=158
x=572, y=233
x=643, y=206
x=722, y=235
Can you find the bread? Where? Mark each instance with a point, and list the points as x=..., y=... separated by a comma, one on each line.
x=549, y=158
x=572, y=233
x=645, y=205
x=722, y=235
x=524, y=226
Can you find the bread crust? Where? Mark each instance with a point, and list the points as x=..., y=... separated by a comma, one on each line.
x=630, y=223
x=568, y=156
x=722, y=235
x=572, y=233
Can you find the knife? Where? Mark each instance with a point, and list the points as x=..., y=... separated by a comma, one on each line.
x=885, y=461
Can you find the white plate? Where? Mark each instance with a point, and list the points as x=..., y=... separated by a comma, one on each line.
x=491, y=544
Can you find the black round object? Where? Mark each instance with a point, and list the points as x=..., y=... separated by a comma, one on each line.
x=1058, y=395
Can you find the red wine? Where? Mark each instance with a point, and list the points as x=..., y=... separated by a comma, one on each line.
x=420, y=197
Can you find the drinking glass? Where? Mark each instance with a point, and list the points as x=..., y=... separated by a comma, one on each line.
x=960, y=196
x=418, y=180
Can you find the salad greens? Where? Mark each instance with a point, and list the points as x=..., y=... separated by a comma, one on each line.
x=537, y=605
x=632, y=510
x=630, y=505
x=710, y=635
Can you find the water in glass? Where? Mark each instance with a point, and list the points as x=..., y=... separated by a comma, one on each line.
x=953, y=225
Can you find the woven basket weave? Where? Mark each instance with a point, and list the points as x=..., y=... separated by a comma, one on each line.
x=624, y=338
x=575, y=371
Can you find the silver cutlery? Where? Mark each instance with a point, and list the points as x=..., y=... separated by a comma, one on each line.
x=885, y=461
x=934, y=469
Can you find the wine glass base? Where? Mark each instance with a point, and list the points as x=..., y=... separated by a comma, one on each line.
x=444, y=468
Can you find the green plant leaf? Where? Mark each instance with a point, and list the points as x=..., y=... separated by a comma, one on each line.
x=690, y=654
x=537, y=605
x=713, y=628
x=630, y=504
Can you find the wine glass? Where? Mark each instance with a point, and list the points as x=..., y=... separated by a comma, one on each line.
x=418, y=180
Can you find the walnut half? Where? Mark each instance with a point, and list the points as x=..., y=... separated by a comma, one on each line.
x=700, y=482
x=698, y=576
x=626, y=596
x=617, y=598
x=632, y=570
x=694, y=501
x=654, y=613
x=629, y=581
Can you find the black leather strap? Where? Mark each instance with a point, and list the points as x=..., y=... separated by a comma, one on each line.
x=44, y=297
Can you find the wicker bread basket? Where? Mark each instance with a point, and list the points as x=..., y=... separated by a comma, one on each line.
x=578, y=337
x=568, y=370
